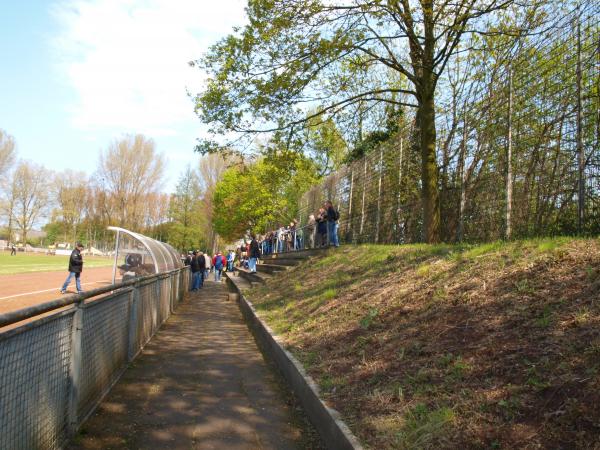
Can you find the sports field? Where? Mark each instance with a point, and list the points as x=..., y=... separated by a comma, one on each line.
x=31, y=262
x=28, y=279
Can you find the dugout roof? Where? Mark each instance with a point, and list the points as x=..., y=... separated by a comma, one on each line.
x=141, y=255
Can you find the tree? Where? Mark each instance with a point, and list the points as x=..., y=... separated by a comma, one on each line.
x=70, y=189
x=188, y=218
x=272, y=187
x=211, y=169
x=7, y=152
x=128, y=171
x=338, y=55
x=29, y=191
x=7, y=159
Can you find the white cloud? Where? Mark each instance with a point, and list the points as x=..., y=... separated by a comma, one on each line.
x=127, y=60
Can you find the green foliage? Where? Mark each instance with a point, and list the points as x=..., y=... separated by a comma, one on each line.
x=187, y=214
x=53, y=231
x=326, y=144
x=261, y=194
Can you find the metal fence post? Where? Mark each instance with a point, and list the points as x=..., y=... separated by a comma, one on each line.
x=75, y=367
x=171, y=296
x=362, y=213
x=399, y=207
x=379, y=194
x=580, y=149
x=463, y=181
x=350, y=231
x=509, y=151
x=132, y=323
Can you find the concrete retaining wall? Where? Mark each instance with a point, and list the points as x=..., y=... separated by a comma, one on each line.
x=333, y=431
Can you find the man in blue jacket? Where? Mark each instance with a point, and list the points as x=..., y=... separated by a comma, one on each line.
x=75, y=269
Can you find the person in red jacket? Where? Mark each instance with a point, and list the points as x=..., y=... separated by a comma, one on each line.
x=218, y=262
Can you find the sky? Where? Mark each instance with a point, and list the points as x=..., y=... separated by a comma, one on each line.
x=75, y=75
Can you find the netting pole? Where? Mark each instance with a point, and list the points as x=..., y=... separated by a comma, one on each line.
x=379, y=194
x=362, y=214
x=75, y=367
x=398, y=215
x=463, y=180
x=350, y=227
x=509, y=151
x=580, y=150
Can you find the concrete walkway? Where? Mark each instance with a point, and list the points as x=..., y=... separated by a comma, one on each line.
x=201, y=383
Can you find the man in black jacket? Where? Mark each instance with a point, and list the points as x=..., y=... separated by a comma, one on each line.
x=75, y=269
x=195, y=268
x=332, y=223
x=254, y=254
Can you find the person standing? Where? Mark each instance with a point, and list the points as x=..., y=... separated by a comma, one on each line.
x=218, y=264
x=75, y=269
x=202, y=268
x=299, y=241
x=311, y=229
x=188, y=259
x=254, y=254
x=321, y=227
x=230, y=260
x=332, y=224
x=207, y=266
x=13, y=250
x=280, y=239
x=195, y=268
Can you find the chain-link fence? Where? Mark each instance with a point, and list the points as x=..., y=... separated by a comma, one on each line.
x=56, y=367
x=518, y=128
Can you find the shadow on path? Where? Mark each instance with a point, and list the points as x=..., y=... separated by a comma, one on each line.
x=201, y=383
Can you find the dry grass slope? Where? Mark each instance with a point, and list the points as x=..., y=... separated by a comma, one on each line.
x=489, y=346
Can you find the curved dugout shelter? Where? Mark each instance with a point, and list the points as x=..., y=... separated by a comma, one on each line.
x=137, y=255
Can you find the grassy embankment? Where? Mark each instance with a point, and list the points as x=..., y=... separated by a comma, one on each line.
x=445, y=346
x=31, y=262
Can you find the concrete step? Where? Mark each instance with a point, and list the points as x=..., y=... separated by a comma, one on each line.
x=240, y=282
x=300, y=254
x=253, y=277
x=282, y=261
x=271, y=268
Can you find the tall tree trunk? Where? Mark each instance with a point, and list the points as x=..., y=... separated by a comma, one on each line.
x=429, y=167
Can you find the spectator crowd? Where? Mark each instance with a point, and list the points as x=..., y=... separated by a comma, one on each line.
x=321, y=230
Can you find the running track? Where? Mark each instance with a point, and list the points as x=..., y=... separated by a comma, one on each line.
x=26, y=289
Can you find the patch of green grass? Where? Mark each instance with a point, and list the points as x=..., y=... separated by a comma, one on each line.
x=26, y=263
x=535, y=379
x=440, y=294
x=368, y=319
x=329, y=294
x=328, y=384
x=583, y=316
x=510, y=407
x=552, y=244
x=484, y=249
x=424, y=270
x=455, y=366
x=524, y=286
x=545, y=319
x=424, y=427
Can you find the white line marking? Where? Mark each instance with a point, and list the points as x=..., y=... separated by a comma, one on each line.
x=48, y=290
